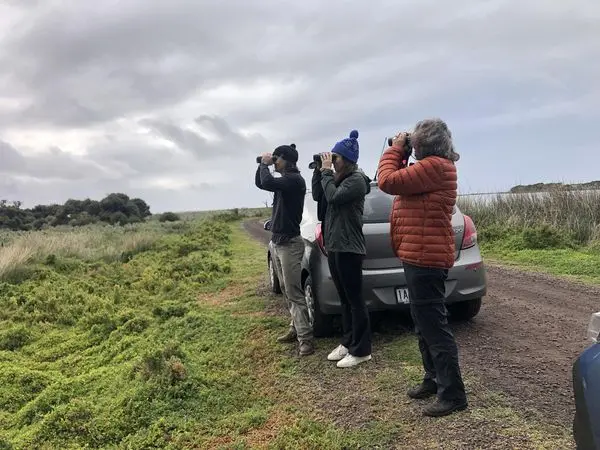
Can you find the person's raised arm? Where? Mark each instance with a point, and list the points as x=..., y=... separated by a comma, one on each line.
x=272, y=184
x=394, y=178
x=257, y=179
x=348, y=191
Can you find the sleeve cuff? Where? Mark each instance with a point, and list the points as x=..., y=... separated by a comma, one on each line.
x=398, y=149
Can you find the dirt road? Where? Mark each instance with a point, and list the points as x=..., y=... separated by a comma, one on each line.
x=525, y=339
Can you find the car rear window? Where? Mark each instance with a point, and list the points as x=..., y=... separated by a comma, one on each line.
x=378, y=206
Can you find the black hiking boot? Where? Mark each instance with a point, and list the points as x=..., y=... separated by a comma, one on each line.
x=441, y=408
x=306, y=348
x=426, y=389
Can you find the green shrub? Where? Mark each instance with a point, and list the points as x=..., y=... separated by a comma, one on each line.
x=14, y=338
x=545, y=237
x=169, y=217
x=541, y=237
x=166, y=311
x=493, y=233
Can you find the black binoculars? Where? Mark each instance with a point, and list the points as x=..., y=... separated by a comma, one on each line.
x=407, y=142
x=408, y=148
x=316, y=162
x=259, y=159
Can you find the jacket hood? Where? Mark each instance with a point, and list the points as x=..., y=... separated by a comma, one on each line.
x=366, y=178
x=358, y=174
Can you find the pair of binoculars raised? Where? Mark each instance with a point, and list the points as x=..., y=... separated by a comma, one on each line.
x=259, y=159
x=407, y=142
x=316, y=162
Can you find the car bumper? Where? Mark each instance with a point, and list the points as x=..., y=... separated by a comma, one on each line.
x=467, y=280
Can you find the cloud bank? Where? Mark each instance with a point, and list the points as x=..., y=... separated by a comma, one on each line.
x=171, y=100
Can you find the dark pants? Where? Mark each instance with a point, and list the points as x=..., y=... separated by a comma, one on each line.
x=346, y=271
x=426, y=289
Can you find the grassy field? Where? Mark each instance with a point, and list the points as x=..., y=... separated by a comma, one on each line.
x=556, y=232
x=163, y=336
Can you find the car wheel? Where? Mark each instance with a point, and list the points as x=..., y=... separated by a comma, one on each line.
x=465, y=310
x=273, y=279
x=322, y=324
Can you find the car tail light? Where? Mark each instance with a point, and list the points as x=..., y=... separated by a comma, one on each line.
x=470, y=235
x=319, y=237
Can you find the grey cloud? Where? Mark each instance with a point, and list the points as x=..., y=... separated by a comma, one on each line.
x=10, y=159
x=54, y=164
x=134, y=158
x=86, y=63
x=184, y=139
x=141, y=54
x=228, y=142
x=196, y=170
x=486, y=66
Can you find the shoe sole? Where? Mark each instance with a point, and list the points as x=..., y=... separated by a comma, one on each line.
x=448, y=412
x=354, y=365
x=335, y=359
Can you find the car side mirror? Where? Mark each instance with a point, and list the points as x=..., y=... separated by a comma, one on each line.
x=267, y=225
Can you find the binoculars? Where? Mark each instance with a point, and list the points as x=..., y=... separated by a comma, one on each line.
x=407, y=145
x=259, y=159
x=407, y=142
x=316, y=162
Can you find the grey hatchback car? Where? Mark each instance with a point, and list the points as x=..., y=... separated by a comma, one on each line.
x=384, y=285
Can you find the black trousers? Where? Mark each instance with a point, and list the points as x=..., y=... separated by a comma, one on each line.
x=346, y=272
x=426, y=289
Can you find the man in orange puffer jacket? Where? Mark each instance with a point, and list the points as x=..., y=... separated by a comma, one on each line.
x=423, y=239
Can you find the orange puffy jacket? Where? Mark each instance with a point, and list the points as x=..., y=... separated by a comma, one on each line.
x=421, y=219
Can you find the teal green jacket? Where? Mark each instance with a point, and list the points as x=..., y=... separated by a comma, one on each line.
x=343, y=222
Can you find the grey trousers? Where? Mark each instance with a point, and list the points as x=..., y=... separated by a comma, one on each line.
x=287, y=260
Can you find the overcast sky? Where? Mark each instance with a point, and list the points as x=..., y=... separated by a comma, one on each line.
x=171, y=100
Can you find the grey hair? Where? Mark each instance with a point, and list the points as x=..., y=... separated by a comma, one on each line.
x=432, y=137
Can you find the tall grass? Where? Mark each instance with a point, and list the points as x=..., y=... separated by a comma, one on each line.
x=235, y=213
x=90, y=243
x=574, y=213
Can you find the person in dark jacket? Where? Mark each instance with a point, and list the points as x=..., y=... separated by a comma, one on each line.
x=340, y=200
x=423, y=239
x=288, y=247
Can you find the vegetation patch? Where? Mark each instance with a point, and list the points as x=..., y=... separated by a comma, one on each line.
x=114, y=209
x=174, y=347
x=557, y=231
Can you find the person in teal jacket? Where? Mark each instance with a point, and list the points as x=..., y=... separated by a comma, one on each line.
x=341, y=195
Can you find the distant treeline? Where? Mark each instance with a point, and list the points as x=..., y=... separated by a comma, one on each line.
x=114, y=209
x=544, y=187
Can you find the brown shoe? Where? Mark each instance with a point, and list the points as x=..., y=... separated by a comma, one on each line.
x=306, y=348
x=289, y=338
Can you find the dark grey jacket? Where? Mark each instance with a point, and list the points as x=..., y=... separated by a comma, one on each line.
x=288, y=201
x=344, y=207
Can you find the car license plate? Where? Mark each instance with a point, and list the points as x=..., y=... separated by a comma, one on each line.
x=402, y=296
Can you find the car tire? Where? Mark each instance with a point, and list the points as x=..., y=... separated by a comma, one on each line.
x=465, y=310
x=322, y=324
x=273, y=279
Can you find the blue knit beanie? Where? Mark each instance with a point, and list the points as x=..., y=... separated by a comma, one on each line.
x=348, y=148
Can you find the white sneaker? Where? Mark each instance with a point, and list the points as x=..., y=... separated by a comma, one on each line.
x=351, y=361
x=338, y=353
